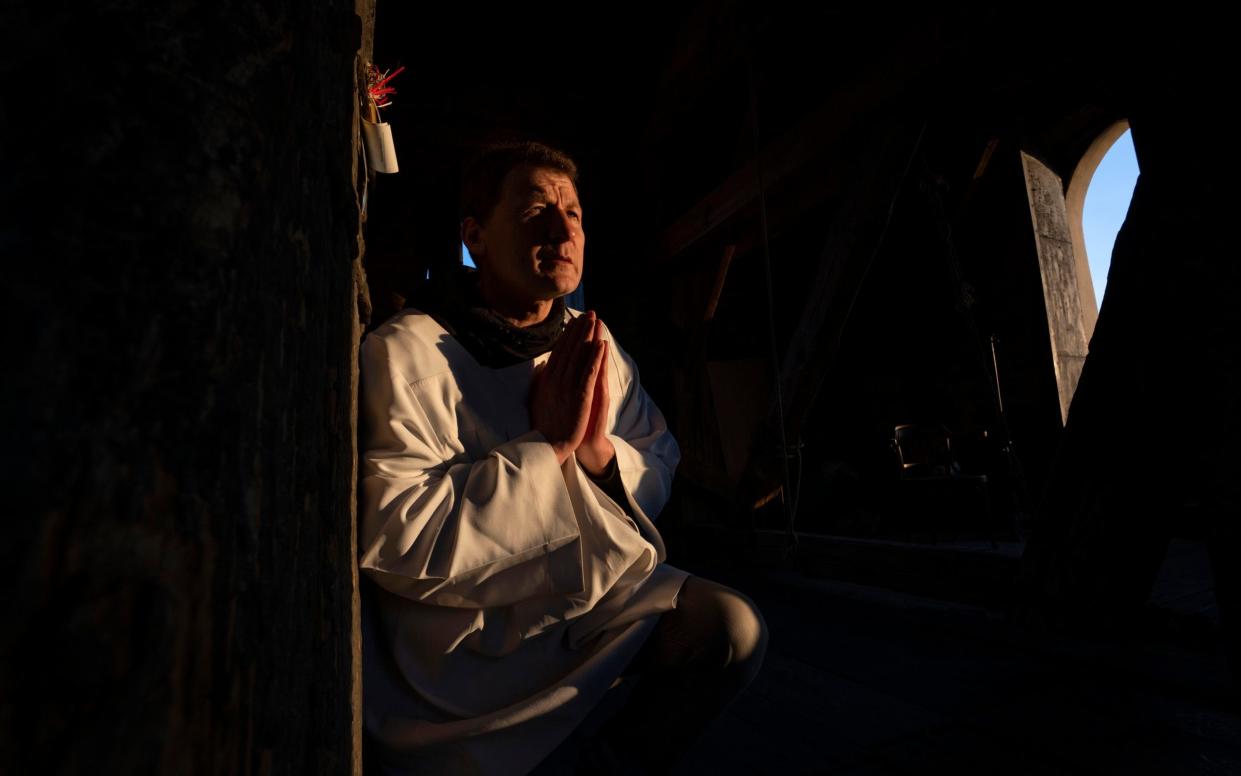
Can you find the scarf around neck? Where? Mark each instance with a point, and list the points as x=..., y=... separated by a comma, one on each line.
x=454, y=301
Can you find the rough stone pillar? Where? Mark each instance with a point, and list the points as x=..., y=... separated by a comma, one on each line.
x=182, y=225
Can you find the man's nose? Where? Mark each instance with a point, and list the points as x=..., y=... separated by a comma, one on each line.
x=561, y=227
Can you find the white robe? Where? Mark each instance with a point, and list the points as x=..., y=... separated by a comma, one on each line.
x=513, y=590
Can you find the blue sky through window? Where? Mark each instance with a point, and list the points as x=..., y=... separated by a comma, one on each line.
x=1107, y=201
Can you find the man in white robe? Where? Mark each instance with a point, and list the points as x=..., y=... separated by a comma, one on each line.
x=512, y=469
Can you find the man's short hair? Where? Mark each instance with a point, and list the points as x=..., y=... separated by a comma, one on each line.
x=484, y=175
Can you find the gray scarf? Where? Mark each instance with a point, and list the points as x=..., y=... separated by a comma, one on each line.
x=453, y=299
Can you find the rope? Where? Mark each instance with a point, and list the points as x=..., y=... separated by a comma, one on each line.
x=789, y=502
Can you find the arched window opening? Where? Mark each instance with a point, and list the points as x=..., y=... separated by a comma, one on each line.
x=1109, y=192
x=1058, y=216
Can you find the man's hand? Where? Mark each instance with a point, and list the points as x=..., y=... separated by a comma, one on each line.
x=596, y=450
x=564, y=389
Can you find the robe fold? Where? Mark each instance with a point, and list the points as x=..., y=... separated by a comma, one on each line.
x=511, y=590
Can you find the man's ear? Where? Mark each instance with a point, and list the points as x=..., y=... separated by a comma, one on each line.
x=474, y=237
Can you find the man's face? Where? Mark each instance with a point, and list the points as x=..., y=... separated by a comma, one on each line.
x=532, y=244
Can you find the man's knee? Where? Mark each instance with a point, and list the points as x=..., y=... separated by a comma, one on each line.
x=747, y=633
x=739, y=622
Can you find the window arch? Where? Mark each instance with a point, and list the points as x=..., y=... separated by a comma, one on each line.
x=1090, y=281
x=1056, y=214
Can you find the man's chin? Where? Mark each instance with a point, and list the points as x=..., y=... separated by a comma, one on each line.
x=552, y=294
x=559, y=286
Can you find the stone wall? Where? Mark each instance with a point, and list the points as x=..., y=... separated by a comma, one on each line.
x=179, y=584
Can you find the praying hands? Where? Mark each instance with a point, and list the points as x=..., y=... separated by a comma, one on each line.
x=569, y=397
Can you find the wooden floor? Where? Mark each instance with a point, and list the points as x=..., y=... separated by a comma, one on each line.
x=858, y=680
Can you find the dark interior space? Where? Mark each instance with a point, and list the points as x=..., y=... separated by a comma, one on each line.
x=991, y=528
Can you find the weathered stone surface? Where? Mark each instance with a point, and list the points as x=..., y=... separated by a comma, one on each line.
x=178, y=587
x=1066, y=324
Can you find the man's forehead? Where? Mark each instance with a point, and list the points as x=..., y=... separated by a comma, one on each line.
x=528, y=181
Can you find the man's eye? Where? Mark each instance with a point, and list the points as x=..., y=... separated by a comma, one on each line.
x=575, y=214
x=534, y=211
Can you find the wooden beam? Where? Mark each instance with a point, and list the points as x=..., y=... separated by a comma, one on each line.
x=809, y=189
x=800, y=146
x=721, y=274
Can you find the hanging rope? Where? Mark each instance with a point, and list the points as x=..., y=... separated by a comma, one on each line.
x=789, y=501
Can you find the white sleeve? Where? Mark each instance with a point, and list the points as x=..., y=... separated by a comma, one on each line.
x=439, y=528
